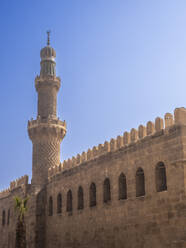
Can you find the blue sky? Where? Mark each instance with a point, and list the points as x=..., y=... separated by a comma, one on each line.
x=122, y=63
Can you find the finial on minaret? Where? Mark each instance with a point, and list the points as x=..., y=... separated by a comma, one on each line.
x=48, y=37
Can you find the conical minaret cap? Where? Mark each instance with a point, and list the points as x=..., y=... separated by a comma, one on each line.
x=48, y=53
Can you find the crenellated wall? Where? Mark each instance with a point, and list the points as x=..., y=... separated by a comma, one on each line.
x=18, y=187
x=152, y=219
x=19, y=182
x=127, y=139
x=4, y=193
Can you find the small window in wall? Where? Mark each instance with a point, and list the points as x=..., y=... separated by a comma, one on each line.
x=59, y=203
x=50, y=206
x=161, y=179
x=8, y=219
x=140, y=182
x=106, y=190
x=122, y=187
x=80, y=198
x=69, y=201
x=92, y=195
x=3, y=218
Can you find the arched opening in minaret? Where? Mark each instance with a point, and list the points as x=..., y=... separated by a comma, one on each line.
x=69, y=201
x=59, y=203
x=122, y=187
x=161, y=179
x=140, y=182
x=50, y=206
x=92, y=195
x=80, y=198
x=106, y=190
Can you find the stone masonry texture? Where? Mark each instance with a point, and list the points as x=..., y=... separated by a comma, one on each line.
x=64, y=210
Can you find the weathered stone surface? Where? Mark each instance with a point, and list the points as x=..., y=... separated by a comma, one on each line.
x=92, y=216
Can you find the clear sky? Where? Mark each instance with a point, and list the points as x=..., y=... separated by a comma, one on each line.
x=122, y=63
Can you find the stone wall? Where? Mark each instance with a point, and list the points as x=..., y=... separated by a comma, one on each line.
x=19, y=187
x=125, y=140
x=153, y=219
x=156, y=219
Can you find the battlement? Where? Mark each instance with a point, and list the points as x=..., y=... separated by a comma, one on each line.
x=4, y=193
x=51, y=80
x=19, y=182
x=52, y=77
x=49, y=120
x=127, y=139
x=50, y=127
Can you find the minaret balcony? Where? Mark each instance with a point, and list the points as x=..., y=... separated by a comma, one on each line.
x=47, y=80
x=49, y=127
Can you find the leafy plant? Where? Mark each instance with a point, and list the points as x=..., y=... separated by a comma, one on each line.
x=20, y=208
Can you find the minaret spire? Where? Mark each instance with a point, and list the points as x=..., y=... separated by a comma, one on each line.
x=48, y=37
x=47, y=131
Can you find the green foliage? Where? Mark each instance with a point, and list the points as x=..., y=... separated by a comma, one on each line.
x=20, y=208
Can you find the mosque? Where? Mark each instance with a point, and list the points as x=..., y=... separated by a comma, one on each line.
x=129, y=192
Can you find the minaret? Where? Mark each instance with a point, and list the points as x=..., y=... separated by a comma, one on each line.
x=47, y=131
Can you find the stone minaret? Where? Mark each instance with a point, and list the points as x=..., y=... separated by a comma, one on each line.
x=47, y=131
